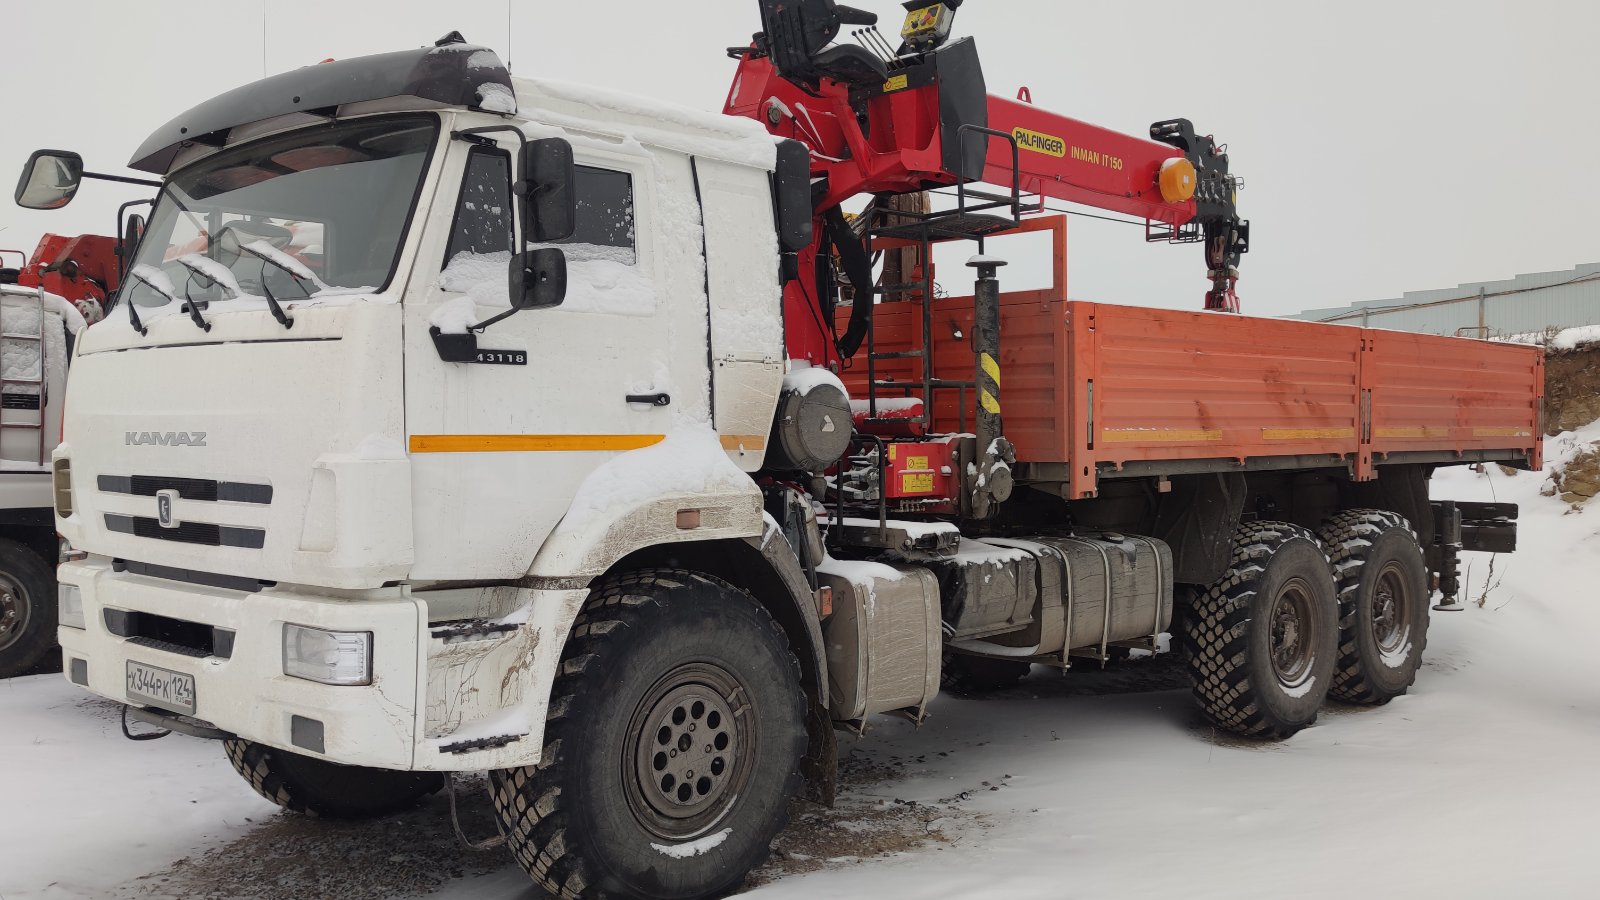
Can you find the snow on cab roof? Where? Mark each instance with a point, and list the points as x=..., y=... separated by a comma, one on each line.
x=645, y=120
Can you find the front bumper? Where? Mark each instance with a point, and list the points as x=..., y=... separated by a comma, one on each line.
x=247, y=693
x=396, y=722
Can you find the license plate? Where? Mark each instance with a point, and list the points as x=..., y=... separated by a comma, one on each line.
x=171, y=690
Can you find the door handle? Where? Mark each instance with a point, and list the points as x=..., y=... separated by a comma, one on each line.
x=652, y=399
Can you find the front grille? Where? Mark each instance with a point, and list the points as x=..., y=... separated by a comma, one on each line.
x=205, y=533
x=19, y=401
x=204, y=489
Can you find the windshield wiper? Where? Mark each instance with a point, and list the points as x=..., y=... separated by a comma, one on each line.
x=133, y=308
x=272, y=302
x=194, y=305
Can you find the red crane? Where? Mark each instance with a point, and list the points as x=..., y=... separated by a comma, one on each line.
x=882, y=120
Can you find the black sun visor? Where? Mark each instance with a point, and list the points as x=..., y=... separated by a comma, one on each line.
x=453, y=74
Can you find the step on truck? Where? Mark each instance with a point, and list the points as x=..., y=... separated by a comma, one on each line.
x=449, y=422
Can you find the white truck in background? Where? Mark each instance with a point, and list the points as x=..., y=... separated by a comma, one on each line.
x=34, y=329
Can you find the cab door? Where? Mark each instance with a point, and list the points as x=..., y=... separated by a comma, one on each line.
x=500, y=446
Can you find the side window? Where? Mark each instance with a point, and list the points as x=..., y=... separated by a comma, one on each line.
x=605, y=218
x=483, y=214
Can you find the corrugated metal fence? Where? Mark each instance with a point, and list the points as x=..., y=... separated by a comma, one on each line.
x=1521, y=305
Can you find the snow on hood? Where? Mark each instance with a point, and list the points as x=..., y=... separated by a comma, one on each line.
x=238, y=300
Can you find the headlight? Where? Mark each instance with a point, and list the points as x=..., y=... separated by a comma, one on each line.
x=331, y=657
x=69, y=606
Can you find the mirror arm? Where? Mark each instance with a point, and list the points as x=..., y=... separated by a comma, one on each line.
x=482, y=326
x=122, y=179
x=469, y=134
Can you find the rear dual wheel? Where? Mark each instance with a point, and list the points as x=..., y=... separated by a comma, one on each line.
x=1261, y=642
x=1383, y=604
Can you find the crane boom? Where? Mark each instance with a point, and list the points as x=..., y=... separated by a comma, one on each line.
x=883, y=122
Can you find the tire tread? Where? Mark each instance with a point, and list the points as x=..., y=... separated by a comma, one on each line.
x=536, y=831
x=1347, y=537
x=1215, y=639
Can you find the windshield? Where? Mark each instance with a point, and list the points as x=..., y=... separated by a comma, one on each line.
x=314, y=214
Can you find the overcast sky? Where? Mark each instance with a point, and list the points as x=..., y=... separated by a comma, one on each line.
x=1386, y=146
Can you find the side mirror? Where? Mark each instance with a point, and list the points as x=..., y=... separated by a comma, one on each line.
x=538, y=278
x=50, y=179
x=792, y=186
x=548, y=190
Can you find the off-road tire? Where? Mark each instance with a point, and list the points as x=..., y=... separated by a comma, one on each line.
x=1278, y=577
x=27, y=609
x=317, y=787
x=962, y=674
x=1382, y=582
x=585, y=822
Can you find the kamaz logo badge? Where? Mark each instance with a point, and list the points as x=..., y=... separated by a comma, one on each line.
x=167, y=438
x=1048, y=144
x=164, y=515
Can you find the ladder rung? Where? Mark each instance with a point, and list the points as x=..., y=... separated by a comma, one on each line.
x=19, y=337
x=899, y=354
x=5, y=425
x=985, y=195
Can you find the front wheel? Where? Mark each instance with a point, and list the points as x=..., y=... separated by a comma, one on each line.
x=317, y=787
x=672, y=745
x=1261, y=642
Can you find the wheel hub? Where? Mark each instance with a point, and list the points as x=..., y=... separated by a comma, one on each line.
x=13, y=612
x=1391, y=612
x=692, y=740
x=1292, y=634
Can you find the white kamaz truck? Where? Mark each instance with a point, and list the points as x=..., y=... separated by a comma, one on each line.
x=448, y=422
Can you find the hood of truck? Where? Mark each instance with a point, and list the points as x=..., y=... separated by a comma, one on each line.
x=250, y=450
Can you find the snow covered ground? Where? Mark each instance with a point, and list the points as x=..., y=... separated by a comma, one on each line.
x=1482, y=782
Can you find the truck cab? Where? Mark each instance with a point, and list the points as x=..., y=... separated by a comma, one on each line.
x=284, y=467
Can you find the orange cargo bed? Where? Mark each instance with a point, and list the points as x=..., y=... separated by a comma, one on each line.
x=1092, y=389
